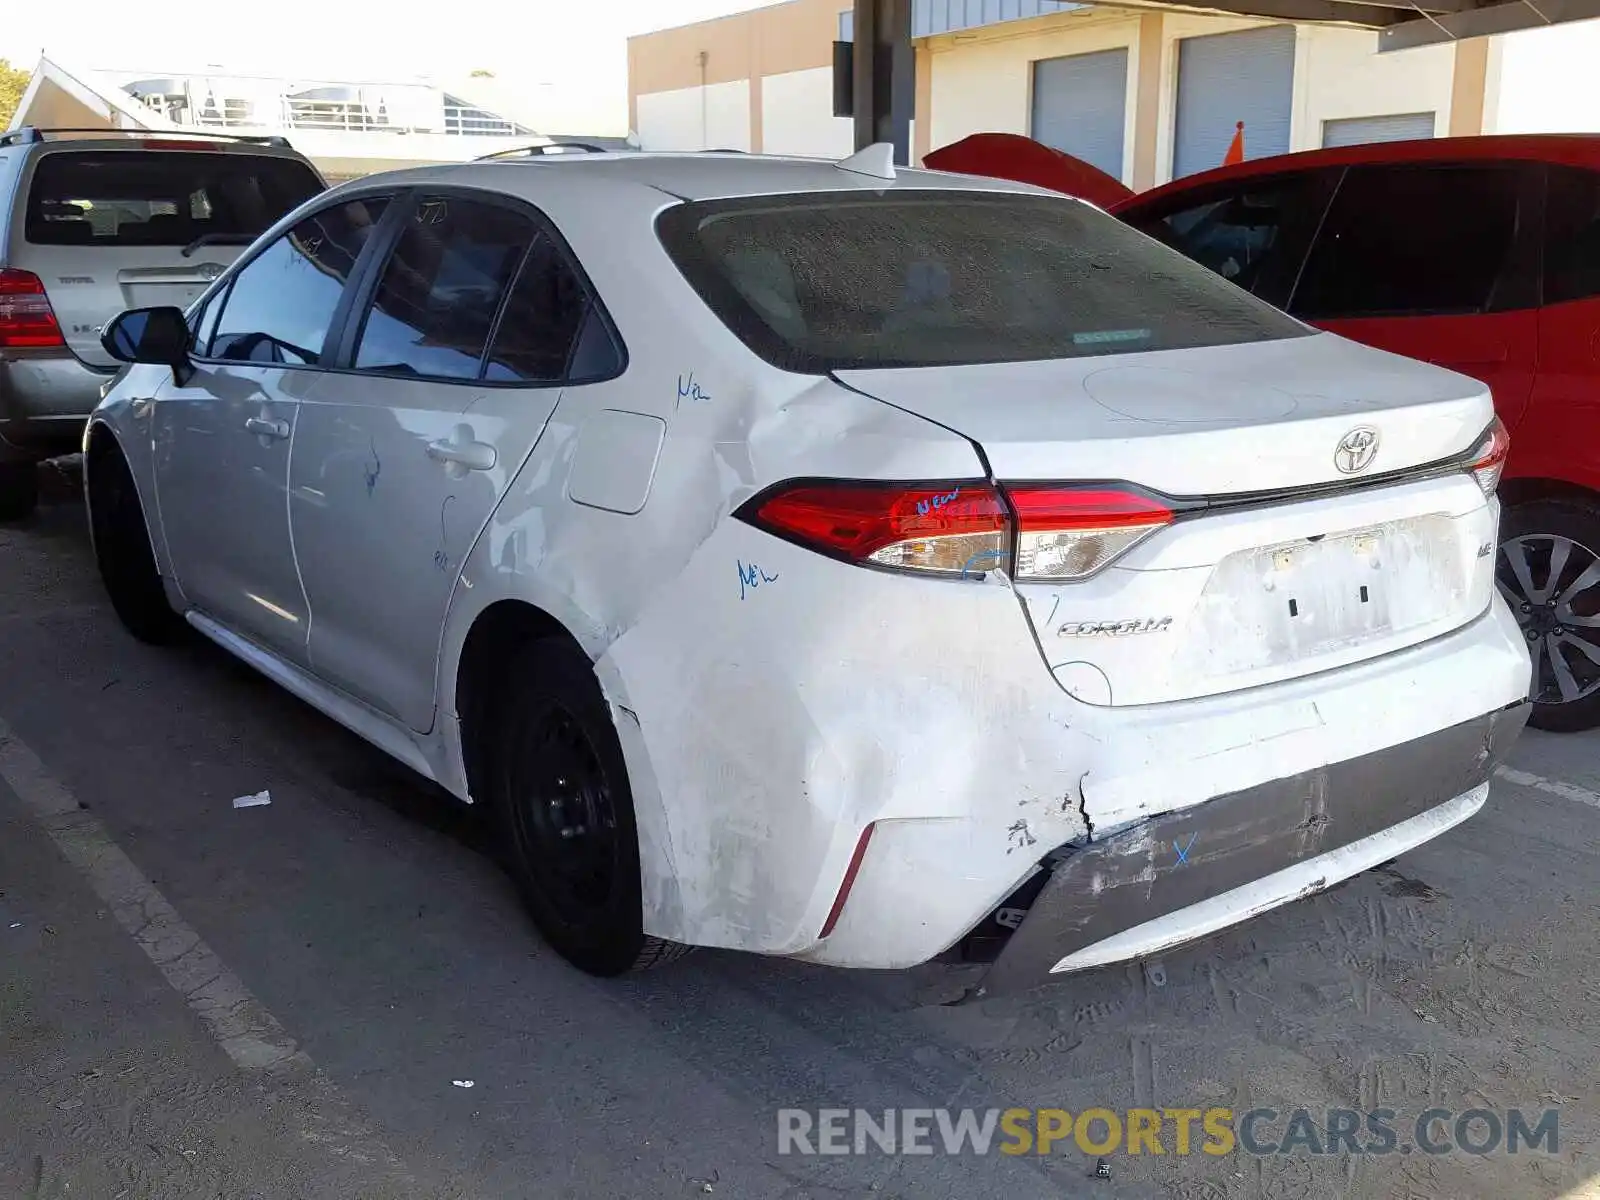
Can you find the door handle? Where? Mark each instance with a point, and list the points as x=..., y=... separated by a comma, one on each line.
x=474, y=456
x=262, y=427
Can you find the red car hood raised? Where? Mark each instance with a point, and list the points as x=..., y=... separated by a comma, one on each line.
x=1023, y=160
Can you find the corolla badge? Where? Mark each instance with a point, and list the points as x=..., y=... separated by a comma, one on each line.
x=1356, y=450
x=1122, y=628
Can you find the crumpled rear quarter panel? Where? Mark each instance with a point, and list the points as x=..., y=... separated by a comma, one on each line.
x=779, y=717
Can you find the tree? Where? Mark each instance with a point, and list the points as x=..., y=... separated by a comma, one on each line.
x=480, y=73
x=13, y=82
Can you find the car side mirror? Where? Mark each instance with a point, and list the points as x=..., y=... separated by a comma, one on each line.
x=150, y=335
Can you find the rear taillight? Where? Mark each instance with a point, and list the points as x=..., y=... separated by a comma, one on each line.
x=26, y=318
x=1066, y=533
x=1039, y=532
x=1489, y=457
x=947, y=529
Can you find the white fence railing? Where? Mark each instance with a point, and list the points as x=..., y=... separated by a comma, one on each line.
x=298, y=112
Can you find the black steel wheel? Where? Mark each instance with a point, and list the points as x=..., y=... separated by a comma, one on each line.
x=1548, y=570
x=559, y=792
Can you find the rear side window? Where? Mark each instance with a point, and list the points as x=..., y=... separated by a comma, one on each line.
x=830, y=281
x=160, y=197
x=1572, y=235
x=1413, y=241
x=543, y=318
x=1256, y=237
x=280, y=306
x=440, y=291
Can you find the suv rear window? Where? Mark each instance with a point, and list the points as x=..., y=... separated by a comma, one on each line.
x=822, y=282
x=160, y=198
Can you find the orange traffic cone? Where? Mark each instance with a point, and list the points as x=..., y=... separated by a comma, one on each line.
x=1235, y=152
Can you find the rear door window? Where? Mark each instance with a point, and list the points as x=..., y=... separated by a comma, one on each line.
x=832, y=281
x=160, y=197
x=1416, y=241
x=1572, y=235
x=1255, y=235
x=281, y=305
x=436, y=302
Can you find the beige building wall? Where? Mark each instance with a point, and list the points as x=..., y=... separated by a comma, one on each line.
x=797, y=115
x=714, y=117
x=786, y=47
x=981, y=79
x=762, y=81
x=1340, y=74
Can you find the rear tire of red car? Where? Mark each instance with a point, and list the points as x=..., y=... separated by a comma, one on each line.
x=559, y=795
x=19, y=490
x=122, y=551
x=1548, y=569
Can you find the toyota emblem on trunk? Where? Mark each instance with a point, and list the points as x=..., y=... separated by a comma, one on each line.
x=1356, y=449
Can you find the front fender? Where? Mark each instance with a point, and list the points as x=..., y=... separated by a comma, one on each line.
x=127, y=414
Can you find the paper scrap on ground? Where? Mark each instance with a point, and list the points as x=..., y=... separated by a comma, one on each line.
x=255, y=801
x=462, y=1082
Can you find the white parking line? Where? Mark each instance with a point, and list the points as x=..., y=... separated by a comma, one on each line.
x=1556, y=787
x=252, y=1037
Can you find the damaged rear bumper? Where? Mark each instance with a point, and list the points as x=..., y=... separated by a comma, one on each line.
x=1182, y=875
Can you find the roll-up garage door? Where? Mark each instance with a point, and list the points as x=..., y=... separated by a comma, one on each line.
x=1355, y=131
x=1080, y=106
x=1225, y=78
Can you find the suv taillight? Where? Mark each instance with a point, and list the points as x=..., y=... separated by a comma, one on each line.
x=1489, y=457
x=1034, y=532
x=26, y=319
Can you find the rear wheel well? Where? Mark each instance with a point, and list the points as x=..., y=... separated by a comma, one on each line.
x=497, y=633
x=1524, y=491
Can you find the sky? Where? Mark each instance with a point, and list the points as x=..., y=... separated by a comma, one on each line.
x=563, y=61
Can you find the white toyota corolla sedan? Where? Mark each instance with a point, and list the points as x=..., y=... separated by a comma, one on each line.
x=826, y=560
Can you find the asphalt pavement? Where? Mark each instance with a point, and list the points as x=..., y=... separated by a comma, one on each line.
x=288, y=1000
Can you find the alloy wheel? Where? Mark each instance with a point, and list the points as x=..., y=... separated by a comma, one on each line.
x=1553, y=586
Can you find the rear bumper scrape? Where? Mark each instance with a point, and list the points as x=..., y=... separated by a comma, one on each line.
x=1182, y=875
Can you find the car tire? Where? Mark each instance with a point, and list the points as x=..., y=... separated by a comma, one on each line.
x=123, y=554
x=1560, y=616
x=559, y=795
x=19, y=490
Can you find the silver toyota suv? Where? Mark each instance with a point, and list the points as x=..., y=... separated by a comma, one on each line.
x=95, y=222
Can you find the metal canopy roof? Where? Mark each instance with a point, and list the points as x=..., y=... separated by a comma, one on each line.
x=1400, y=25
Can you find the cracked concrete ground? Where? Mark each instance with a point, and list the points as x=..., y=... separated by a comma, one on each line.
x=361, y=913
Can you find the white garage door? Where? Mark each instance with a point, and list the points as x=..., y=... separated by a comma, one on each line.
x=1225, y=78
x=1080, y=106
x=1398, y=127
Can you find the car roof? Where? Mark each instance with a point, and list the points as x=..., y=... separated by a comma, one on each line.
x=1571, y=149
x=699, y=175
x=54, y=141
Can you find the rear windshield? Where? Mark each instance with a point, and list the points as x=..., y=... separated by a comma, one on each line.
x=160, y=198
x=821, y=282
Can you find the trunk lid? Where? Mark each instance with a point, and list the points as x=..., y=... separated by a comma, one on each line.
x=1198, y=422
x=1235, y=592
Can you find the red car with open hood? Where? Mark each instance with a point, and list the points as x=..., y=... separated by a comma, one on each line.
x=1479, y=254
